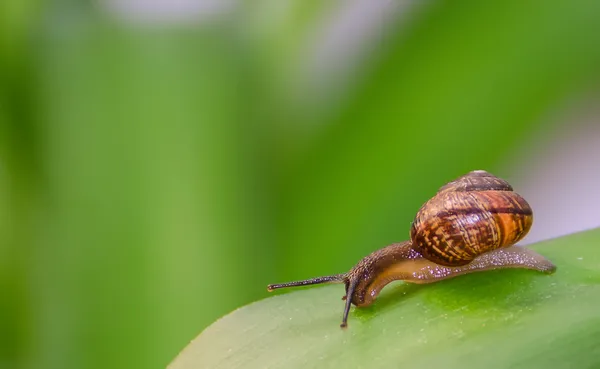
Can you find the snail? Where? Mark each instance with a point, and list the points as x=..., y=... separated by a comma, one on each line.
x=470, y=225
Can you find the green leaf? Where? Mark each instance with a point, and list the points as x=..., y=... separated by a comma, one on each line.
x=498, y=319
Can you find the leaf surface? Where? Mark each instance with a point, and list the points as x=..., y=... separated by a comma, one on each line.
x=497, y=319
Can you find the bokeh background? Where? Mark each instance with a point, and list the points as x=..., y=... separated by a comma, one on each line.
x=162, y=161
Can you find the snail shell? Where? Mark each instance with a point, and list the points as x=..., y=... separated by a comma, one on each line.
x=474, y=214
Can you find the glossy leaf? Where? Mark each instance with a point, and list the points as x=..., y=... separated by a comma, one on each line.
x=498, y=319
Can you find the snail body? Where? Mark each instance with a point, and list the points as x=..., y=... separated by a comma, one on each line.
x=470, y=225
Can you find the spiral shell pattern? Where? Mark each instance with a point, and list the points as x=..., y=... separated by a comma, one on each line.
x=469, y=216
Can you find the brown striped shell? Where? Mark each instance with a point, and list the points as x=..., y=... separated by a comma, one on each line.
x=469, y=216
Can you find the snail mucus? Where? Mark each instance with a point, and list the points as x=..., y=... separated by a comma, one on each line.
x=470, y=225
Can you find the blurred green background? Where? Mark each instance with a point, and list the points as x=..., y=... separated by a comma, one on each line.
x=160, y=165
